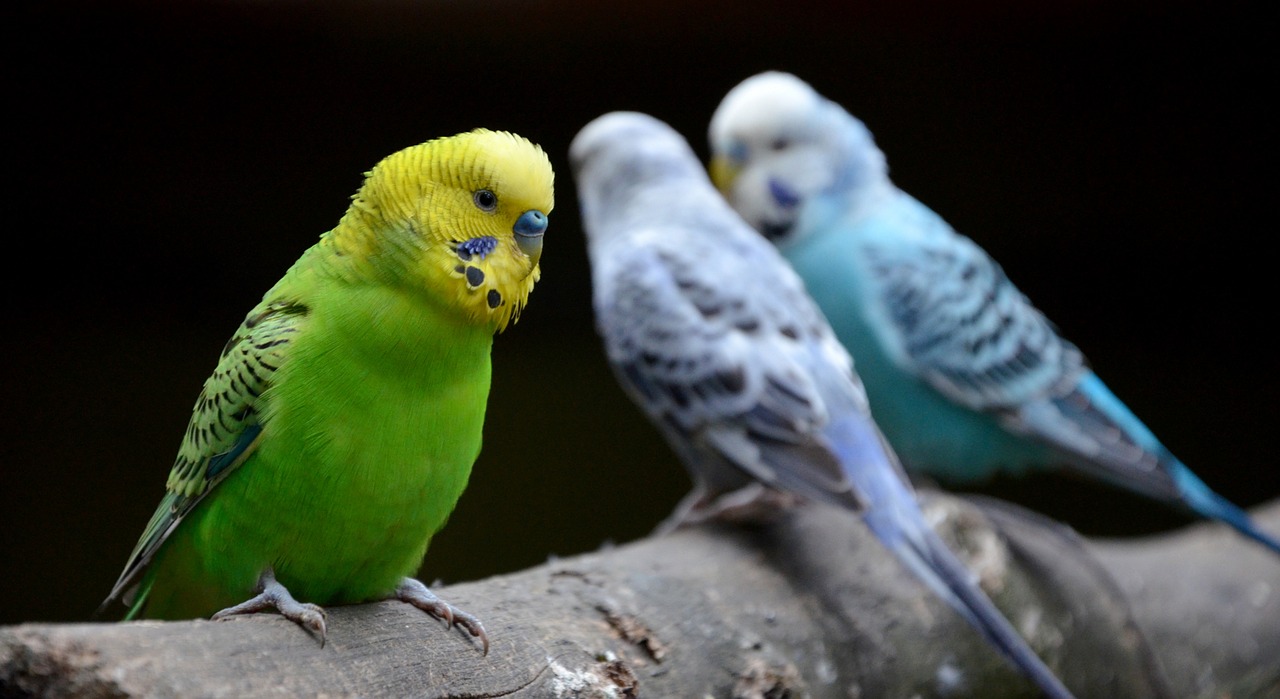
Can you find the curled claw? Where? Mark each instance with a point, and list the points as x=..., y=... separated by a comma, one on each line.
x=275, y=596
x=473, y=627
x=417, y=594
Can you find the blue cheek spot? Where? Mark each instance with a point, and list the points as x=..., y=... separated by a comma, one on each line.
x=783, y=195
x=481, y=246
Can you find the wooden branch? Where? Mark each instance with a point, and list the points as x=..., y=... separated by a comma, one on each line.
x=806, y=605
x=1209, y=603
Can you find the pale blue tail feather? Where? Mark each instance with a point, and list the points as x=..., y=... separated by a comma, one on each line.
x=1188, y=490
x=895, y=518
x=1200, y=498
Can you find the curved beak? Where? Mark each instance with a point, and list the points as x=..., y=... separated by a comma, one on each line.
x=529, y=229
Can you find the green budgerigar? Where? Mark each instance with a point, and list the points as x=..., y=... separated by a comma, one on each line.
x=342, y=421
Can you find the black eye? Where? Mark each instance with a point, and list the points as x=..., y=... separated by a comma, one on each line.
x=485, y=200
x=780, y=144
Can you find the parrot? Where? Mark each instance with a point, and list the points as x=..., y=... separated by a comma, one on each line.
x=965, y=376
x=711, y=333
x=340, y=425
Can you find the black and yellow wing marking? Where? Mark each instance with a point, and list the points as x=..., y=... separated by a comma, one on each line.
x=224, y=430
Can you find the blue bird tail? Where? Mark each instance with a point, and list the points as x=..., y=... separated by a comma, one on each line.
x=1206, y=503
x=894, y=516
x=943, y=570
x=1162, y=476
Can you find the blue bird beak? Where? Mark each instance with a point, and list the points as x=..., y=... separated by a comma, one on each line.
x=529, y=229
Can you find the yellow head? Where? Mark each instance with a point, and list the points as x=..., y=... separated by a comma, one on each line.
x=458, y=218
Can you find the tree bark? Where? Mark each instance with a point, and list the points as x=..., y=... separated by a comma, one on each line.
x=806, y=605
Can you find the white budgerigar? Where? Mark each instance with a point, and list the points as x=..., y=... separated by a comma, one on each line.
x=965, y=376
x=712, y=334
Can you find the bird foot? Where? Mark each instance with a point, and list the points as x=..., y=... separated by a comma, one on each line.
x=417, y=594
x=749, y=504
x=276, y=596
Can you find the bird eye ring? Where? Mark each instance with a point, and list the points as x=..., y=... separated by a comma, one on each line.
x=485, y=200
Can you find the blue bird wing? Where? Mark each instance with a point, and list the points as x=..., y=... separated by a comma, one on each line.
x=720, y=369
x=959, y=323
x=961, y=326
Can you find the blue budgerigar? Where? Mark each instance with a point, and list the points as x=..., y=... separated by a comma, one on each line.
x=711, y=333
x=965, y=376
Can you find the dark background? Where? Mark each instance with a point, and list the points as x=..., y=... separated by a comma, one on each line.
x=167, y=164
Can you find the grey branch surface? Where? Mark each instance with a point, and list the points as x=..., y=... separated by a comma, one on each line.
x=808, y=605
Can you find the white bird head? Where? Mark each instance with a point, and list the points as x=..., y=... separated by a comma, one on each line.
x=781, y=151
x=625, y=164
